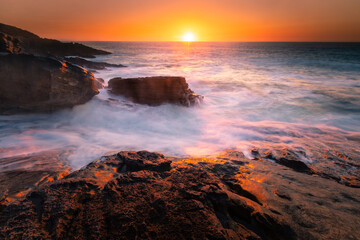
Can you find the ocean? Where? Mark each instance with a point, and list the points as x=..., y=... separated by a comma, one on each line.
x=300, y=96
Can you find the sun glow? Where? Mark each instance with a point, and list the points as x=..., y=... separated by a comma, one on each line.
x=188, y=37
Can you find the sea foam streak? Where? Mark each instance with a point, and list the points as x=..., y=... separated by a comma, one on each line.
x=255, y=95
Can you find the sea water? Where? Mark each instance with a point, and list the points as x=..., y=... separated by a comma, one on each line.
x=295, y=95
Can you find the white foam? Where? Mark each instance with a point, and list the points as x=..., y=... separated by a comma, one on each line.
x=246, y=103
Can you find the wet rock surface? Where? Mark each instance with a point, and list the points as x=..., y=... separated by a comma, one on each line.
x=90, y=64
x=29, y=43
x=143, y=195
x=155, y=91
x=40, y=84
x=22, y=173
x=99, y=83
x=326, y=163
x=132, y=195
x=311, y=204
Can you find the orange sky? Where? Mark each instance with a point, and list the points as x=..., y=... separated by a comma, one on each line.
x=168, y=20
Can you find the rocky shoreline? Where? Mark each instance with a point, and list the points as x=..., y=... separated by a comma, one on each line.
x=132, y=195
x=16, y=40
x=36, y=76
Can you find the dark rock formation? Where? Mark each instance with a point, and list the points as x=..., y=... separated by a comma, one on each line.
x=99, y=83
x=34, y=83
x=32, y=44
x=143, y=195
x=155, y=91
x=16, y=32
x=9, y=44
x=90, y=64
x=135, y=195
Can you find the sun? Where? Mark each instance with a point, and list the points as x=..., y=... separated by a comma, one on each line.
x=188, y=37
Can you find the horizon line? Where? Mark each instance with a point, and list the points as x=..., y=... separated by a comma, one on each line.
x=178, y=41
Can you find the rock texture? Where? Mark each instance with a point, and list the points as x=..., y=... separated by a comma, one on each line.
x=330, y=164
x=22, y=173
x=29, y=43
x=136, y=195
x=35, y=76
x=315, y=207
x=9, y=44
x=155, y=91
x=34, y=83
x=143, y=195
x=99, y=83
x=90, y=64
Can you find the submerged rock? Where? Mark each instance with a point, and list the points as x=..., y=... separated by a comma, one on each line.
x=27, y=42
x=155, y=91
x=90, y=64
x=34, y=83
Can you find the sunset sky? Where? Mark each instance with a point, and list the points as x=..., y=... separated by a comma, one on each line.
x=166, y=20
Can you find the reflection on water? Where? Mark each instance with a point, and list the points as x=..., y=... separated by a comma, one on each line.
x=290, y=94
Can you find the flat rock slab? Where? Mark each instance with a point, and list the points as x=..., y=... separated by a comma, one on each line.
x=155, y=91
x=22, y=173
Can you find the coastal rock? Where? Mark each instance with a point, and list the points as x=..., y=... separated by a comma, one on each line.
x=155, y=91
x=21, y=173
x=143, y=160
x=34, y=83
x=90, y=64
x=99, y=83
x=143, y=195
x=289, y=159
x=32, y=44
x=321, y=163
x=311, y=204
x=137, y=195
x=9, y=44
